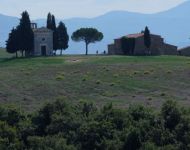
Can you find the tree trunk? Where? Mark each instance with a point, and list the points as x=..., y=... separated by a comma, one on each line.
x=16, y=54
x=149, y=51
x=86, y=48
x=22, y=53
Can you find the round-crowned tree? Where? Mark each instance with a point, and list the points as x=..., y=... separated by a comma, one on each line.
x=88, y=35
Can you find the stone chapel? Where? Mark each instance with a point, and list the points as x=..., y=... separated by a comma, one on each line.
x=43, y=41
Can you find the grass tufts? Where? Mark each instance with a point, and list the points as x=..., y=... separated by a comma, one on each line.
x=98, y=82
x=59, y=77
x=146, y=72
x=169, y=72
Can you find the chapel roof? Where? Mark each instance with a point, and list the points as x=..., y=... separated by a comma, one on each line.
x=137, y=35
x=42, y=29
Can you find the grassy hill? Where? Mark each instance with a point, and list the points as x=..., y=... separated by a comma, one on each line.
x=101, y=79
x=4, y=54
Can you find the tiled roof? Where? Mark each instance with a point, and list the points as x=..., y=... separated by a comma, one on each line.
x=135, y=35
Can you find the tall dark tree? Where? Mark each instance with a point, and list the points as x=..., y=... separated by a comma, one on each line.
x=63, y=37
x=12, y=42
x=55, y=36
x=147, y=39
x=49, y=21
x=25, y=35
x=128, y=45
x=88, y=35
x=51, y=24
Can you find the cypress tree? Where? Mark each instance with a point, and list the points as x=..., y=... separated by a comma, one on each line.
x=25, y=35
x=12, y=42
x=49, y=21
x=55, y=34
x=63, y=37
x=51, y=24
x=147, y=39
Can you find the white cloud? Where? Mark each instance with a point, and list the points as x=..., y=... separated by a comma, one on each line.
x=82, y=8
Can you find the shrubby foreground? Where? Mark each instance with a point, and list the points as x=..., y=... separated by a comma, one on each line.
x=62, y=125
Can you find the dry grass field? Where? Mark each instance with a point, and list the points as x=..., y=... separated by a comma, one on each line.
x=122, y=80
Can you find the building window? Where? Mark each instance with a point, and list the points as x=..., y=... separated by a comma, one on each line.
x=43, y=39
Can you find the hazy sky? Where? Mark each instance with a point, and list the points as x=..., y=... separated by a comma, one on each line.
x=82, y=8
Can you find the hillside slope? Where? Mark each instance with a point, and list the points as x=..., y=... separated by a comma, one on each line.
x=6, y=24
x=180, y=11
x=101, y=79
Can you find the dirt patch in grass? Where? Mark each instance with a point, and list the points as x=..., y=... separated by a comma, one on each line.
x=73, y=60
x=76, y=59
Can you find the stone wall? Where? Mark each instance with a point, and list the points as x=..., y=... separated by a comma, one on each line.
x=111, y=49
x=158, y=47
x=169, y=50
x=118, y=47
x=141, y=49
x=43, y=37
x=184, y=51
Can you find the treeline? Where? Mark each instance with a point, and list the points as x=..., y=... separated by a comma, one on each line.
x=60, y=35
x=82, y=126
x=21, y=38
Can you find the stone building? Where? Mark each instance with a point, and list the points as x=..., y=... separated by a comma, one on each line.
x=43, y=41
x=158, y=46
x=184, y=51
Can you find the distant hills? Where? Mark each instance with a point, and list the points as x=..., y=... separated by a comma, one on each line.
x=173, y=25
x=6, y=24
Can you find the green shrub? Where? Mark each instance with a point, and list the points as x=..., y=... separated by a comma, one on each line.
x=98, y=82
x=116, y=75
x=147, y=72
x=84, y=79
x=27, y=73
x=64, y=125
x=112, y=84
x=171, y=114
x=163, y=94
x=136, y=72
x=133, y=140
x=59, y=77
x=169, y=72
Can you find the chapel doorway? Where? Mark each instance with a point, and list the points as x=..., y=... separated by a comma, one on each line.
x=43, y=50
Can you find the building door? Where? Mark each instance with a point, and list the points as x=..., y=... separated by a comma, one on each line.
x=43, y=50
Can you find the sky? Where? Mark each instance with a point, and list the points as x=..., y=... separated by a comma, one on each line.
x=64, y=9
